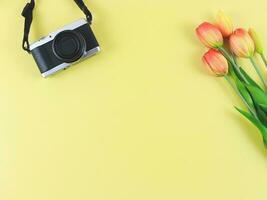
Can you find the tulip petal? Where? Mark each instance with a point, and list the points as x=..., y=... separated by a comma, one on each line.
x=242, y=44
x=209, y=35
x=215, y=62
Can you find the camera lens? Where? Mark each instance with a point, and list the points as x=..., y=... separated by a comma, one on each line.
x=69, y=46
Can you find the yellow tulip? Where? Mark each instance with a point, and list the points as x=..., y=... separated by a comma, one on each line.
x=224, y=23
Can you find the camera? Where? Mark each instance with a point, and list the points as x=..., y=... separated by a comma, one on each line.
x=64, y=47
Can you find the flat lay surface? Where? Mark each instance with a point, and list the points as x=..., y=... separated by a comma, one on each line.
x=140, y=120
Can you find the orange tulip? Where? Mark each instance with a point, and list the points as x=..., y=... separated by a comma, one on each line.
x=242, y=44
x=215, y=63
x=209, y=35
x=224, y=23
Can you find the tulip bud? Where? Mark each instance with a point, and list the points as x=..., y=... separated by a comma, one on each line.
x=215, y=63
x=242, y=44
x=224, y=24
x=256, y=39
x=209, y=35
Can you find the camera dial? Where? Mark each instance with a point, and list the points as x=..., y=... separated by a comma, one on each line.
x=69, y=46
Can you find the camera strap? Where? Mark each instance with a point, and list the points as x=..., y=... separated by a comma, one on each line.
x=27, y=13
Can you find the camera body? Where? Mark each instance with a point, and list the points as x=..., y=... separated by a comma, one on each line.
x=64, y=47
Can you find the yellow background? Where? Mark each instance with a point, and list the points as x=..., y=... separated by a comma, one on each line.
x=141, y=120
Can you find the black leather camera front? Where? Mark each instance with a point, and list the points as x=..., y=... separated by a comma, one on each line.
x=67, y=46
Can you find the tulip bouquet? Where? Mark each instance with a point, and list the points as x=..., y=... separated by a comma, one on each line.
x=225, y=46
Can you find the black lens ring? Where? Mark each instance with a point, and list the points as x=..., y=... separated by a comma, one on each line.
x=79, y=46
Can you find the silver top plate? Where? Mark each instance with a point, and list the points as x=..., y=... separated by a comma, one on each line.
x=52, y=35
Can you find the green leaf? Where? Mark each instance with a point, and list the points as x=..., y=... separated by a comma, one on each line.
x=262, y=113
x=236, y=75
x=263, y=107
x=257, y=123
x=249, y=79
x=232, y=72
x=258, y=95
x=244, y=92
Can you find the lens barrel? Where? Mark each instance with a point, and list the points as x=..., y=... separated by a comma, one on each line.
x=69, y=46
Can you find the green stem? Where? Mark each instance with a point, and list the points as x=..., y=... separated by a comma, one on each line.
x=234, y=58
x=264, y=59
x=241, y=97
x=258, y=71
x=232, y=61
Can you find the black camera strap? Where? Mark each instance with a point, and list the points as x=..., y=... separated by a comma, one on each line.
x=27, y=13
